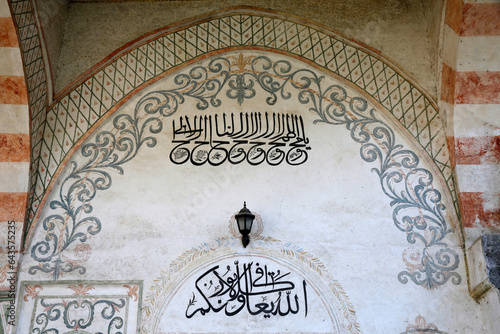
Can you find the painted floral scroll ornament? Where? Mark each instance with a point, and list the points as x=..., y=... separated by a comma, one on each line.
x=132, y=291
x=67, y=230
x=79, y=314
x=81, y=289
x=417, y=206
x=422, y=327
x=31, y=291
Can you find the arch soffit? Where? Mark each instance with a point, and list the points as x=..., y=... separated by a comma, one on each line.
x=102, y=90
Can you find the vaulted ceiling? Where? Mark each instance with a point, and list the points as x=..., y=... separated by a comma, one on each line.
x=80, y=33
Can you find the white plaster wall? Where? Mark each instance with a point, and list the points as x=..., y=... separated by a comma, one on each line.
x=52, y=15
x=403, y=31
x=332, y=207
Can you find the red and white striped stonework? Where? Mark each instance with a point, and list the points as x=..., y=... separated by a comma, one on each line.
x=14, y=136
x=470, y=97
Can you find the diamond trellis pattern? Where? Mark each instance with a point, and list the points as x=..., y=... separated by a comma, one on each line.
x=24, y=19
x=73, y=115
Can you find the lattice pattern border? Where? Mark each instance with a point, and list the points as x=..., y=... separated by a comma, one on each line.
x=74, y=114
x=34, y=68
x=417, y=207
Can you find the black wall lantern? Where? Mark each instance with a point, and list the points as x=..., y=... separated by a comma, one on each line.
x=244, y=219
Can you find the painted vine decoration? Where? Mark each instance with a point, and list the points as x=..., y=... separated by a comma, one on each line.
x=417, y=207
x=67, y=312
x=421, y=326
x=109, y=151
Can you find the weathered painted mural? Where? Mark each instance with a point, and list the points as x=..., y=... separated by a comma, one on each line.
x=238, y=78
x=83, y=307
x=236, y=293
x=164, y=174
x=137, y=173
x=69, y=119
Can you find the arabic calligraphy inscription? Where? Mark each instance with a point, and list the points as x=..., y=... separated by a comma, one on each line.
x=254, y=137
x=247, y=287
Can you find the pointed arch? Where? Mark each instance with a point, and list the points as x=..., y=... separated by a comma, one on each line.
x=416, y=201
x=72, y=118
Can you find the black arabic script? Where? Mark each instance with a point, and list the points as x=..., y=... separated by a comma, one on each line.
x=253, y=137
x=249, y=287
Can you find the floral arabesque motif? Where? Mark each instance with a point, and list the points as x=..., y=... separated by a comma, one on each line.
x=417, y=207
x=70, y=228
x=81, y=289
x=132, y=291
x=32, y=291
x=88, y=311
x=421, y=326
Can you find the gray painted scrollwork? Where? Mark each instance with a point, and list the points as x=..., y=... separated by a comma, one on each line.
x=108, y=152
x=417, y=206
x=79, y=314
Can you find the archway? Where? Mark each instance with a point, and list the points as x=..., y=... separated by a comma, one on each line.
x=123, y=118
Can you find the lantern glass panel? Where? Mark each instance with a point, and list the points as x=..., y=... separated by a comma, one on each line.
x=249, y=220
x=241, y=223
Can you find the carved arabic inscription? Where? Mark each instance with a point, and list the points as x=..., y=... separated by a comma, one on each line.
x=248, y=287
x=253, y=137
